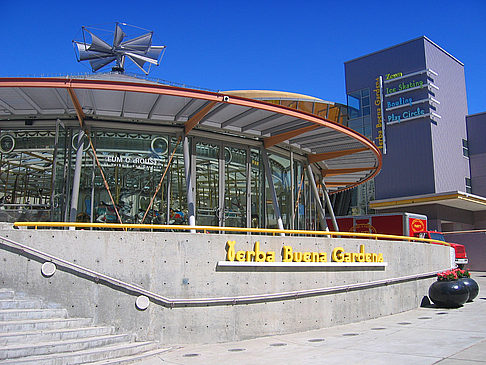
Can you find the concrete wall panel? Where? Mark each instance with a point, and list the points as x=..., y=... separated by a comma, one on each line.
x=184, y=265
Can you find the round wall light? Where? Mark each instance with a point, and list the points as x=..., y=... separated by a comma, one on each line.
x=142, y=302
x=48, y=269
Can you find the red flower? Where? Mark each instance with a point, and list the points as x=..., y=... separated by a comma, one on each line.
x=453, y=274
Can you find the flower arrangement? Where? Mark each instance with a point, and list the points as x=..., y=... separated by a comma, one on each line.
x=453, y=274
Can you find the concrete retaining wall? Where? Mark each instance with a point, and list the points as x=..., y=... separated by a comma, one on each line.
x=184, y=265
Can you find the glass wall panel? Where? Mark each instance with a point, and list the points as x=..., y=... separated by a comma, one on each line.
x=290, y=103
x=281, y=179
x=333, y=113
x=306, y=106
x=37, y=169
x=207, y=183
x=235, y=189
x=62, y=159
x=321, y=109
x=257, y=186
x=26, y=165
x=299, y=194
x=133, y=165
x=177, y=186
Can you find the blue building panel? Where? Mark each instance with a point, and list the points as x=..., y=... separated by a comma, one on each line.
x=417, y=117
x=450, y=166
x=402, y=104
x=476, y=132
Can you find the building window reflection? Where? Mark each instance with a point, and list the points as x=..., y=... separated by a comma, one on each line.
x=231, y=188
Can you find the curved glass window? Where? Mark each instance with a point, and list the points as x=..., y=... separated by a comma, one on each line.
x=37, y=169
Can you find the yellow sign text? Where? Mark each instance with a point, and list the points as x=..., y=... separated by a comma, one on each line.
x=289, y=256
x=339, y=255
x=255, y=255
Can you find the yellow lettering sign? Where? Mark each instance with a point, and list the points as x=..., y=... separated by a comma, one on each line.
x=338, y=254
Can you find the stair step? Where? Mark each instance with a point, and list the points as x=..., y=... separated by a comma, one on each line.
x=42, y=348
x=35, y=332
x=131, y=358
x=19, y=314
x=21, y=303
x=6, y=294
x=87, y=355
x=53, y=335
x=43, y=324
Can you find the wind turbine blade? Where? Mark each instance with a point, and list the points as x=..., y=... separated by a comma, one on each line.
x=98, y=44
x=101, y=62
x=154, y=53
x=138, y=63
x=119, y=35
x=85, y=54
x=142, y=58
x=141, y=43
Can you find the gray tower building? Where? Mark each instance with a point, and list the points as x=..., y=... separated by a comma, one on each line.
x=410, y=99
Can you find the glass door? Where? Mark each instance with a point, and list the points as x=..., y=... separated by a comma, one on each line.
x=235, y=186
x=221, y=183
x=207, y=183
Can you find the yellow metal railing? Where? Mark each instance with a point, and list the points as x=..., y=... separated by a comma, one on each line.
x=225, y=229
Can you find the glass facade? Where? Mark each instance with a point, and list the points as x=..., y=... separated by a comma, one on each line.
x=359, y=112
x=230, y=185
x=26, y=166
x=132, y=164
x=331, y=111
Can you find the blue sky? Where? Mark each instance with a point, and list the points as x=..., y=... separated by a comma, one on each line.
x=297, y=46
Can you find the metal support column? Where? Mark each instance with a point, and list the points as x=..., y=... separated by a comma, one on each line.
x=167, y=192
x=190, y=196
x=221, y=187
x=54, y=171
x=315, y=193
x=329, y=206
x=76, y=178
x=268, y=173
x=292, y=190
x=248, y=188
x=93, y=176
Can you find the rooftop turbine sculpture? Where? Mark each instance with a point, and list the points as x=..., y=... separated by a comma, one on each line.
x=100, y=53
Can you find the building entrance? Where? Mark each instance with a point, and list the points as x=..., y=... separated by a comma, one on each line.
x=221, y=184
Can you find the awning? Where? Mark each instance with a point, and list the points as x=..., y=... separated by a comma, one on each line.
x=345, y=157
x=454, y=199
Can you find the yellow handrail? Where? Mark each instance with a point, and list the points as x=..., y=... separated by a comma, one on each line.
x=126, y=226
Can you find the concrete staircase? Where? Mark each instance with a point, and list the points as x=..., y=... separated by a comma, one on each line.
x=34, y=333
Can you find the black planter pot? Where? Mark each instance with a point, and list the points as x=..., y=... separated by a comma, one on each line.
x=472, y=287
x=448, y=294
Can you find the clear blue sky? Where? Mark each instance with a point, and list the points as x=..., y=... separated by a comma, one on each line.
x=297, y=46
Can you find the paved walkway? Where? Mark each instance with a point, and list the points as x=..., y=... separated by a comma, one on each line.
x=421, y=336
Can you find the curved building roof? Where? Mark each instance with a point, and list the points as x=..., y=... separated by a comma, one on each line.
x=332, y=111
x=345, y=157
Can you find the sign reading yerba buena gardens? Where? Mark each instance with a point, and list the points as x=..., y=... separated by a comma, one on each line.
x=289, y=255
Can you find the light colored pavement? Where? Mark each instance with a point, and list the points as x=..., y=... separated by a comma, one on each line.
x=426, y=335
